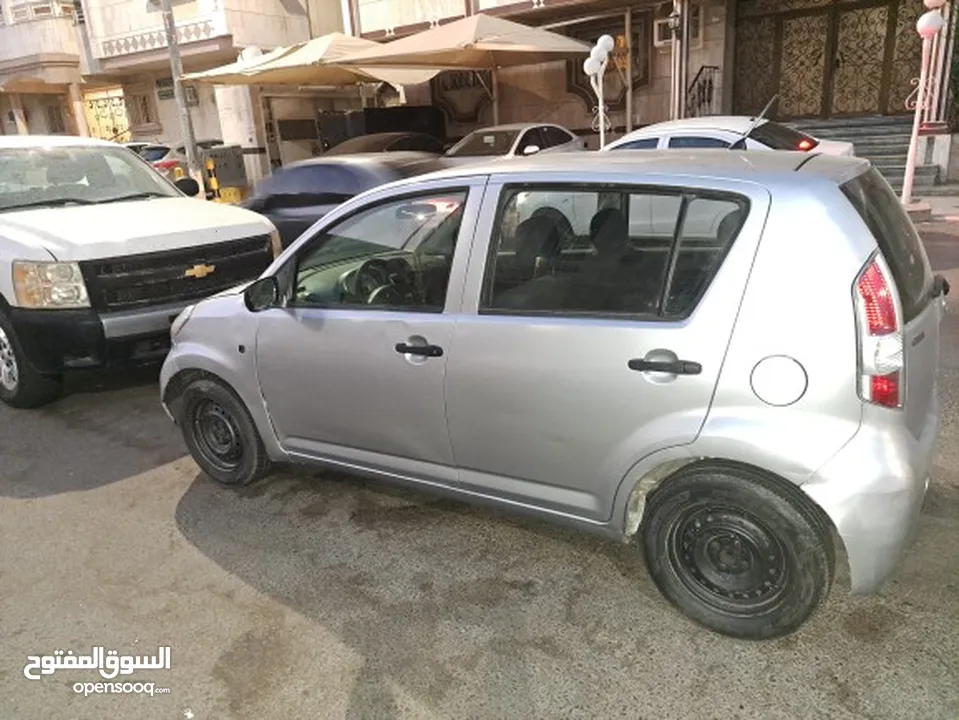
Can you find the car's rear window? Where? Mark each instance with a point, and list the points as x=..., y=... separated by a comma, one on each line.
x=779, y=137
x=153, y=153
x=897, y=238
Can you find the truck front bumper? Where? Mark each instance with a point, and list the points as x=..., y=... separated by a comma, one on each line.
x=58, y=341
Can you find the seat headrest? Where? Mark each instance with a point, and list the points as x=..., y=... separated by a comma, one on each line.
x=609, y=231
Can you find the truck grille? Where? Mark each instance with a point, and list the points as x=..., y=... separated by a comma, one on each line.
x=137, y=281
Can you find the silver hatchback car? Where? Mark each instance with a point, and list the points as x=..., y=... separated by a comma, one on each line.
x=735, y=387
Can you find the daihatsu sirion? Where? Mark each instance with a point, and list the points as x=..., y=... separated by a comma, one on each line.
x=98, y=255
x=735, y=389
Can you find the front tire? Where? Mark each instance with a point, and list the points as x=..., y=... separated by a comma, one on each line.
x=738, y=551
x=21, y=386
x=220, y=434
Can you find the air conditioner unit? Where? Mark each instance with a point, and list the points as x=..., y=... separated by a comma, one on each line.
x=663, y=34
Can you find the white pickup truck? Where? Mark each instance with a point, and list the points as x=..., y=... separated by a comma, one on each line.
x=99, y=254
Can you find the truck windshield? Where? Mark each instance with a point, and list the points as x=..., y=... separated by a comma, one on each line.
x=56, y=176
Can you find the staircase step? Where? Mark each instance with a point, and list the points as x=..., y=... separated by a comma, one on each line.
x=947, y=190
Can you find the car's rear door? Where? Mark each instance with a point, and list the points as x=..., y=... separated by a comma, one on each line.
x=560, y=380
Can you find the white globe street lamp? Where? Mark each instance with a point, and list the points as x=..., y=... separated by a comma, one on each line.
x=595, y=68
x=928, y=26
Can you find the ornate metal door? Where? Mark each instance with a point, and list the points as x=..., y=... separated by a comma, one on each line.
x=858, y=61
x=803, y=62
x=825, y=58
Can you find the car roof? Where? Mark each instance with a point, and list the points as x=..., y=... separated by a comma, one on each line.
x=743, y=165
x=399, y=157
x=47, y=141
x=509, y=127
x=730, y=123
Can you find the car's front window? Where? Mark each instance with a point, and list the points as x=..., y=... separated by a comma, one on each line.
x=485, y=143
x=55, y=176
x=397, y=254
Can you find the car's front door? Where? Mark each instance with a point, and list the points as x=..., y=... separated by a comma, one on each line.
x=351, y=367
x=560, y=380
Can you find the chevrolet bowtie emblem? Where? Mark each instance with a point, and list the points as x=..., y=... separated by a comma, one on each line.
x=199, y=271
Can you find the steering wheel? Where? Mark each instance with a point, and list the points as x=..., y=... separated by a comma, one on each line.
x=369, y=277
x=386, y=295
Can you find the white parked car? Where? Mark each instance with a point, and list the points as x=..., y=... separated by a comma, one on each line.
x=99, y=253
x=721, y=131
x=518, y=140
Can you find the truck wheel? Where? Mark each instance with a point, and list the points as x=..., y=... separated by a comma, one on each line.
x=738, y=551
x=20, y=385
x=220, y=434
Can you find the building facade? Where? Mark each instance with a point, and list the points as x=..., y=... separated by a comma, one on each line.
x=825, y=59
x=102, y=67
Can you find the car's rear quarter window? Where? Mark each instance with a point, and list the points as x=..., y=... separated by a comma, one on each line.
x=897, y=238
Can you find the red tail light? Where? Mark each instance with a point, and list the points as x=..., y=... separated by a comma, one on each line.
x=165, y=164
x=805, y=145
x=881, y=355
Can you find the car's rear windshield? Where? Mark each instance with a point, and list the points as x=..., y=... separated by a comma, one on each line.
x=897, y=238
x=780, y=137
x=153, y=153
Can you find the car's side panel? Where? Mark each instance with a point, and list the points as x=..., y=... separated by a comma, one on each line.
x=798, y=305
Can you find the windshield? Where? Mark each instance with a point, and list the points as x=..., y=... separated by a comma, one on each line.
x=364, y=144
x=38, y=177
x=485, y=143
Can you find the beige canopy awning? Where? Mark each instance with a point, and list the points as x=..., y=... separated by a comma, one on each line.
x=238, y=73
x=311, y=63
x=476, y=42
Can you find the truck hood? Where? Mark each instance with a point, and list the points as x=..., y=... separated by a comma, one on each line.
x=87, y=232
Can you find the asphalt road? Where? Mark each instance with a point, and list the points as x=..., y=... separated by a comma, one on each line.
x=321, y=596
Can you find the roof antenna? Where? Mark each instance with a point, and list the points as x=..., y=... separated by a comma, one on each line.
x=740, y=143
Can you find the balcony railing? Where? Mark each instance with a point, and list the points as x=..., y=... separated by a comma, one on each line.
x=704, y=96
x=195, y=29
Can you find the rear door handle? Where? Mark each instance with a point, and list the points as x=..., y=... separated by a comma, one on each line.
x=424, y=350
x=676, y=367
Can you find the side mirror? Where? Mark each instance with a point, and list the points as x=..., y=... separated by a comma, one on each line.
x=531, y=149
x=262, y=294
x=188, y=186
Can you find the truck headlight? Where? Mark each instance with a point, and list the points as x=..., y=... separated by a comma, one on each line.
x=276, y=243
x=49, y=285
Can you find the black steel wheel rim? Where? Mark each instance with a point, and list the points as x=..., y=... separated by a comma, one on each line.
x=728, y=559
x=217, y=436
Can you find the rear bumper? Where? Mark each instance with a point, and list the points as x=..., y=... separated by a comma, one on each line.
x=873, y=491
x=58, y=341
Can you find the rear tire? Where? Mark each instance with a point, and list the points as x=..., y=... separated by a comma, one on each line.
x=21, y=386
x=221, y=435
x=737, y=551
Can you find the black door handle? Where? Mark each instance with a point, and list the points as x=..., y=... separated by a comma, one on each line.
x=678, y=367
x=424, y=350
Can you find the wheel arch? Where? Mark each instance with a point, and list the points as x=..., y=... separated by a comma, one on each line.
x=181, y=379
x=653, y=478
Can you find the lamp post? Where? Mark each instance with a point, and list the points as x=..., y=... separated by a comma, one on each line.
x=595, y=68
x=928, y=26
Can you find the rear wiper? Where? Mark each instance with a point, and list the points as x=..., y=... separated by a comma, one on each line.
x=59, y=202
x=132, y=196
